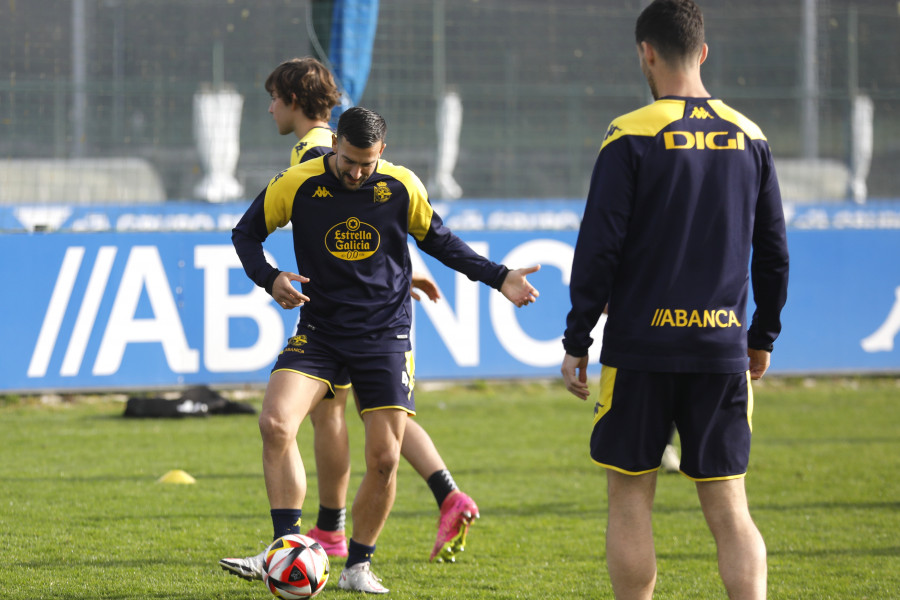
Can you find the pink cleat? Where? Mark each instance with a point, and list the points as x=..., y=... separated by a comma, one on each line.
x=334, y=542
x=458, y=511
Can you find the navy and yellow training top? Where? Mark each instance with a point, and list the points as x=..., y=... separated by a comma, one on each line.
x=316, y=142
x=352, y=244
x=682, y=190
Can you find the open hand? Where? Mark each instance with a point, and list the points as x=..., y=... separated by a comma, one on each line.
x=516, y=287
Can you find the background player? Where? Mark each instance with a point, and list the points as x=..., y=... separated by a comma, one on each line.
x=682, y=190
x=303, y=95
x=351, y=213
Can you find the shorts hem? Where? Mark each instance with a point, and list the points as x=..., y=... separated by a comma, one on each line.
x=624, y=471
x=325, y=381
x=409, y=411
x=719, y=478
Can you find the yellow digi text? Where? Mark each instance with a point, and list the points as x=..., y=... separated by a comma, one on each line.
x=703, y=140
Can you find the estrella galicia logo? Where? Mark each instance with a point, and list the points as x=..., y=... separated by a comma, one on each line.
x=352, y=240
x=382, y=192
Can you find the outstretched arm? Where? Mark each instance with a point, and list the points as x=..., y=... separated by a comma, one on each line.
x=516, y=287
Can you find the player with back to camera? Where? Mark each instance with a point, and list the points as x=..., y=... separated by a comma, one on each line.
x=683, y=193
x=351, y=213
x=303, y=95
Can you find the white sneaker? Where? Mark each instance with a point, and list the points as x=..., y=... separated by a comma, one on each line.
x=670, y=461
x=249, y=568
x=359, y=578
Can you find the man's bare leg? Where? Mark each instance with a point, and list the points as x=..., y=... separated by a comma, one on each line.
x=375, y=497
x=289, y=398
x=419, y=450
x=332, y=448
x=630, y=553
x=740, y=547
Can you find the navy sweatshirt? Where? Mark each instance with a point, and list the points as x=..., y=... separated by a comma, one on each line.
x=683, y=199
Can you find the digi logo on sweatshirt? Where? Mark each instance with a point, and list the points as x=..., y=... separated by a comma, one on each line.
x=703, y=140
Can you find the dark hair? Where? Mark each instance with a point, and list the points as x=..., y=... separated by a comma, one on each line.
x=307, y=82
x=673, y=27
x=361, y=127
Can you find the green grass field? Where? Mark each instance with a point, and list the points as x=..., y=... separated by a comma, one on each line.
x=82, y=515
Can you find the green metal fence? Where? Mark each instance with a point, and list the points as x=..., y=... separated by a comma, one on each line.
x=539, y=81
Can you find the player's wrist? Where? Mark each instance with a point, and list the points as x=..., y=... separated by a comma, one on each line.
x=270, y=281
x=501, y=279
x=761, y=346
x=574, y=350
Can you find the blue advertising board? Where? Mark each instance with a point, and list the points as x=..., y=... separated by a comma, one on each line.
x=124, y=298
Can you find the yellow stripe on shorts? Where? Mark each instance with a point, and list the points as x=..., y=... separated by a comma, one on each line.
x=749, y=402
x=607, y=383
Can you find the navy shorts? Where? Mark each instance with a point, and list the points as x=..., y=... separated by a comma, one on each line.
x=381, y=380
x=636, y=409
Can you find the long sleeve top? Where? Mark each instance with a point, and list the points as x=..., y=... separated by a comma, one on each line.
x=683, y=206
x=352, y=244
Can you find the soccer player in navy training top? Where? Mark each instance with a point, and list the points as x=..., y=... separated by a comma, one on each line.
x=682, y=191
x=303, y=95
x=351, y=213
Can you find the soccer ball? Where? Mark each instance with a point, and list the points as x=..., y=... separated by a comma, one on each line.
x=296, y=566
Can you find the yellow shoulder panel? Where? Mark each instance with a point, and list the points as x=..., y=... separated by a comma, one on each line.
x=646, y=121
x=420, y=211
x=317, y=136
x=282, y=190
x=732, y=116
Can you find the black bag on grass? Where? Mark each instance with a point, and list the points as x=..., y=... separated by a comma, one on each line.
x=199, y=401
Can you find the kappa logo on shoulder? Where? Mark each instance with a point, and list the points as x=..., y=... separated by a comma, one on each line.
x=277, y=177
x=700, y=113
x=322, y=192
x=611, y=131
